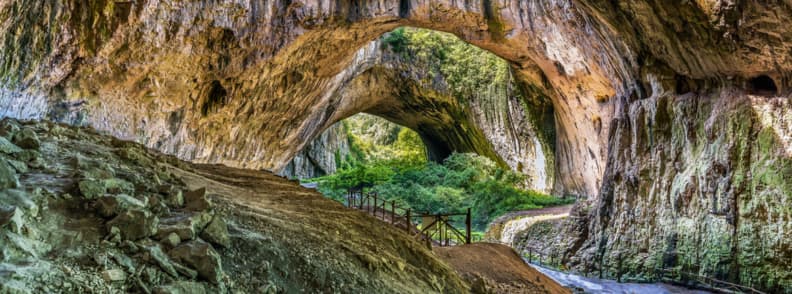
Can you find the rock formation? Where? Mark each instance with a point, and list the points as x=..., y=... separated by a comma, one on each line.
x=320, y=156
x=672, y=117
x=494, y=116
x=81, y=212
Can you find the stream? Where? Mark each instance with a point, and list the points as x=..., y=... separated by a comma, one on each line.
x=594, y=285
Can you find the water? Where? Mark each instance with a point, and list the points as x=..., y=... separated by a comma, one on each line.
x=593, y=285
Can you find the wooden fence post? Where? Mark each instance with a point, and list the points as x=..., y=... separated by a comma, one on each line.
x=407, y=224
x=530, y=252
x=441, y=229
x=393, y=211
x=468, y=225
x=375, y=206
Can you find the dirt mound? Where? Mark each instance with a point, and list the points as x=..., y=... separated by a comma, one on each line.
x=496, y=268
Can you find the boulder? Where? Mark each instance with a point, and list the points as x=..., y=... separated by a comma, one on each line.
x=181, y=287
x=217, y=232
x=185, y=225
x=8, y=128
x=124, y=261
x=172, y=240
x=6, y=214
x=8, y=176
x=135, y=224
x=185, y=271
x=118, y=186
x=129, y=246
x=174, y=198
x=31, y=157
x=7, y=147
x=114, y=236
x=160, y=259
x=200, y=256
x=196, y=200
x=91, y=189
x=135, y=155
x=19, y=166
x=112, y=205
x=27, y=139
x=20, y=199
x=114, y=275
x=12, y=216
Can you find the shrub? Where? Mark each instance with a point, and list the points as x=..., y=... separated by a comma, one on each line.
x=462, y=181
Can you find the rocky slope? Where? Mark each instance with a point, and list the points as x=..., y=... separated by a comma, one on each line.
x=671, y=116
x=81, y=212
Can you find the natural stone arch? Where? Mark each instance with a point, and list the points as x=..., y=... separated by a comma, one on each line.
x=323, y=57
x=281, y=62
x=625, y=137
x=508, y=122
x=281, y=66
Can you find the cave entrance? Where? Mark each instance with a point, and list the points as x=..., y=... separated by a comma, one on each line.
x=762, y=85
x=456, y=97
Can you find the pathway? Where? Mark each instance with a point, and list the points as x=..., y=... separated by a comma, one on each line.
x=593, y=285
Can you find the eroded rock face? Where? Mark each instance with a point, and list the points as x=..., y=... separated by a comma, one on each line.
x=654, y=120
x=249, y=84
x=710, y=173
x=319, y=157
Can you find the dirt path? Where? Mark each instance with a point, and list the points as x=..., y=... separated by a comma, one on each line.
x=534, y=212
x=506, y=227
x=496, y=268
x=316, y=231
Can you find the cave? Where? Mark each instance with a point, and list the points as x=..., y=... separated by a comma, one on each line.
x=762, y=85
x=412, y=81
x=215, y=98
x=631, y=109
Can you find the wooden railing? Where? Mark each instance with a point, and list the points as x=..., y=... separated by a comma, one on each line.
x=437, y=229
x=705, y=282
x=539, y=257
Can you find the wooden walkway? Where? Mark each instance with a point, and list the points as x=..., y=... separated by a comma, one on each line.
x=436, y=229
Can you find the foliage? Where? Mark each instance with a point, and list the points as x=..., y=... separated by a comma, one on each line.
x=391, y=160
x=461, y=181
x=396, y=40
x=467, y=69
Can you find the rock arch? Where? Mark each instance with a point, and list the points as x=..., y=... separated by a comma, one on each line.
x=628, y=135
x=412, y=85
x=284, y=64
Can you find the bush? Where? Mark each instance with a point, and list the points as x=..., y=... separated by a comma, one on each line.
x=462, y=181
x=396, y=40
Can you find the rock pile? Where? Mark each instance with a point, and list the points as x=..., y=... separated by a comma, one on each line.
x=139, y=227
x=85, y=213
